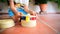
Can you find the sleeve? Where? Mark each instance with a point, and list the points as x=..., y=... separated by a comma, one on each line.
x=26, y=2
x=10, y=12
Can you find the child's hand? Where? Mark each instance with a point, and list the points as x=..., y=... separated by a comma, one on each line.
x=32, y=13
x=18, y=14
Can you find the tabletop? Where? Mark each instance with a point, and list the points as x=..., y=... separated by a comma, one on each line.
x=41, y=27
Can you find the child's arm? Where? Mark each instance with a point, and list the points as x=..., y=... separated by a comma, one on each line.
x=13, y=8
x=29, y=11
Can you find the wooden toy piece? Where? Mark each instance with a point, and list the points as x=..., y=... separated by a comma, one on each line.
x=27, y=18
x=6, y=23
x=28, y=21
x=33, y=18
x=23, y=18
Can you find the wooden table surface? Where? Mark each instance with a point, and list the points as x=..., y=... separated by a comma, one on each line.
x=41, y=28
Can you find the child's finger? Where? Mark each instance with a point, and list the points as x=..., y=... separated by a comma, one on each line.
x=21, y=14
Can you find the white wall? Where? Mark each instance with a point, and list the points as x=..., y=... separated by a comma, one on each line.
x=4, y=7
x=52, y=8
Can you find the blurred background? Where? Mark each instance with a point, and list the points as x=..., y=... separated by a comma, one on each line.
x=53, y=6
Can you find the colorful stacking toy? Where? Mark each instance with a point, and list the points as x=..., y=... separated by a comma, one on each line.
x=28, y=21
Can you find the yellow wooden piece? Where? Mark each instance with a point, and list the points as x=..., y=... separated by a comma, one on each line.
x=27, y=18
